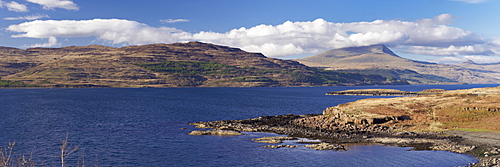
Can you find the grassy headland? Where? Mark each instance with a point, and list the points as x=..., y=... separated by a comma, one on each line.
x=467, y=109
x=433, y=121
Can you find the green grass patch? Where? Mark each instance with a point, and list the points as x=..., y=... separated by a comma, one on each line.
x=475, y=130
x=190, y=67
x=7, y=83
x=283, y=76
x=252, y=79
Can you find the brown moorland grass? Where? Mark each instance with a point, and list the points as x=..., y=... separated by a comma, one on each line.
x=10, y=158
x=481, y=112
x=477, y=108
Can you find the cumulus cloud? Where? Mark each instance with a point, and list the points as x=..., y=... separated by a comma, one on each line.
x=51, y=43
x=174, y=20
x=52, y=4
x=288, y=49
x=461, y=59
x=321, y=35
x=444, y=19
x=431, y=36
x=14, y=6
x=114, y=30
x=471, y=1
x=495, y=42
x=481, y=59
x=451, y=50
x=29, y=17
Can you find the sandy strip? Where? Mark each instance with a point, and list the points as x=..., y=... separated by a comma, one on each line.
x=486, y=138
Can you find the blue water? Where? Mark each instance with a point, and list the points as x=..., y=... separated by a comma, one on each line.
x=148, y=127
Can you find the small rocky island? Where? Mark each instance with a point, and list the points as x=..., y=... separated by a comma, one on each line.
x=461, y=121
x=373, y=92
x=384, y=92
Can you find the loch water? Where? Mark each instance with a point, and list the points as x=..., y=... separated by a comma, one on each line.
x=149, y=127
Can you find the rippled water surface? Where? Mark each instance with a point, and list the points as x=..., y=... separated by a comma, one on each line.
x=148, y=127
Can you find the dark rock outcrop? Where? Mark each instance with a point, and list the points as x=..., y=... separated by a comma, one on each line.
x=216, y=132
x=333, y=133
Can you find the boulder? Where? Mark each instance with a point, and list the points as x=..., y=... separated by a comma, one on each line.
x=216, y=132
x=279, y=146
x=273, y=139
x=326, y=146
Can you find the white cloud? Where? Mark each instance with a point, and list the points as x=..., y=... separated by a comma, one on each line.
x=445, y=19
x=495, y=42
x=450, y=51
x=461, y=59
x=450, y=60
x=114, y=30
x=14, y=6
x=321, y=35
x=51, y=42
x=30, y=17
x=288, y=49
x=174, y=20
x=471, y=1
x=431, y=36
x=483, y=59
x=52, y=4
x=494, y=45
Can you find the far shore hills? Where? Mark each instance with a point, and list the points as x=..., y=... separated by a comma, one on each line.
x=197, y=64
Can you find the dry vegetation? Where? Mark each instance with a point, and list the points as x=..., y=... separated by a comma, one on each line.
x=372, y=92
x=164, y=65
x=378, y=59
x=10, y=158
x=471, y=109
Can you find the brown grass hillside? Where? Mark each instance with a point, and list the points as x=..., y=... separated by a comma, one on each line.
x=192, y=64
x=472, y=109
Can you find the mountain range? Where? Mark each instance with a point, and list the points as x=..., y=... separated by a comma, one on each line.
x=191, y=64
x=196, y=64
x=378, y=59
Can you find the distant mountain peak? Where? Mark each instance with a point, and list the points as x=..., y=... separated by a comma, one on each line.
x=378, y=48
x=469, y=62
x=358, y=50
x=371, y=59
x=356, y=54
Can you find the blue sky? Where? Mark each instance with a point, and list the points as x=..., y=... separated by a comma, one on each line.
x=445, y=31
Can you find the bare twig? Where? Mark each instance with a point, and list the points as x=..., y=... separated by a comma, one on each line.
x=6, y=154
x=66, y=150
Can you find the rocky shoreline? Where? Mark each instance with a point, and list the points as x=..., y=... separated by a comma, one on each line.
x=334, y=133
x=426, y=120
x=373, y=92
x=385, y=92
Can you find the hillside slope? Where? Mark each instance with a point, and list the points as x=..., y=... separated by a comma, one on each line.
x=475, y=108
x=378, y=59
x=164, y=65
x=490, y=69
